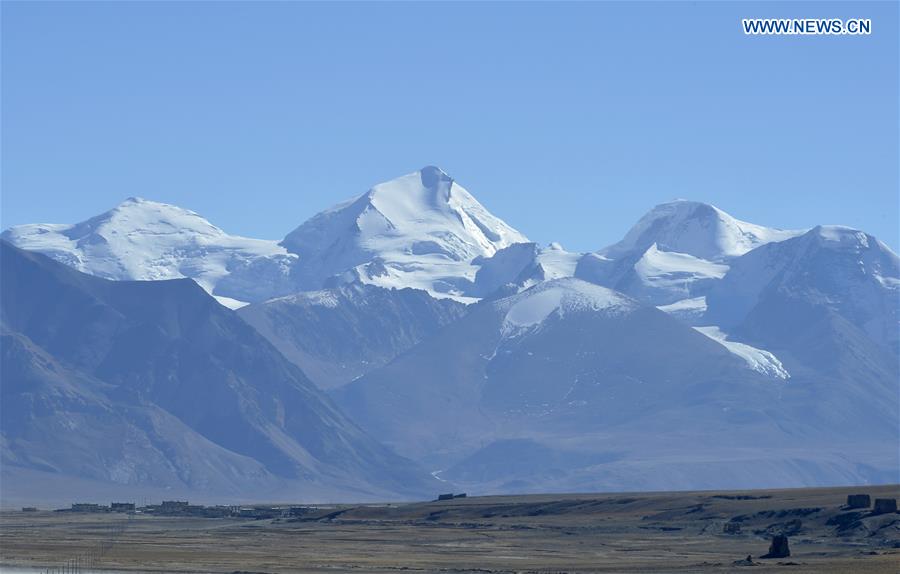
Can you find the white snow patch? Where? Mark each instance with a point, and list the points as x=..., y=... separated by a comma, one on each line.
x=668, y=268
x=887, y=282
x=532, y=307
x=694, y=305
x=841, y=234
x=535, y=309
x=322, y=298
x=229, y=302
x=556, y=262
x=759, y=360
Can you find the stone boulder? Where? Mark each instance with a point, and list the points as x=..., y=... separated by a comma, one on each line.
x=779, y=547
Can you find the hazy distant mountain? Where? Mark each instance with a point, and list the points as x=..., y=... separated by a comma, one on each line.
x=336, y=335
x=610, y=386
x=154, y=383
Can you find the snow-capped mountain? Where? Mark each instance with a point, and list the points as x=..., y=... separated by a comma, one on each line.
x=700, y=351
x=836, y=269
x=421, y=230
x=562, y=351
x=620, y=393
x=693, y=228
x=675, y=253
x=147, y=240
x=841, y=268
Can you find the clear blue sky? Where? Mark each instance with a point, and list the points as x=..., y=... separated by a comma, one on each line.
x=569, y=121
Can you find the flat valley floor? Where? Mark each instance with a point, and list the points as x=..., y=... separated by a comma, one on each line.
x=633, y=532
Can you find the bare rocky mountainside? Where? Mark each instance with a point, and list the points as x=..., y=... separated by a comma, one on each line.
x=155, y=384
x=336, y=335
x=409, y=331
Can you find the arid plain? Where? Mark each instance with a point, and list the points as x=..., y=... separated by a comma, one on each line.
x=640, y=532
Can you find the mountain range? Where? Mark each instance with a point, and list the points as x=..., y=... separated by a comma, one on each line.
x=154, y=384
x=409, y=331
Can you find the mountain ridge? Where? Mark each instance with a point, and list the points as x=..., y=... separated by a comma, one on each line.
x=208, y=402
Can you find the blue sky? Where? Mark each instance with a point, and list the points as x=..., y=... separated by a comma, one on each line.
x=569, y=121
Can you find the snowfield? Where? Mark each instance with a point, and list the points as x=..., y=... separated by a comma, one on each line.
x=558, y=297
x=759, y=360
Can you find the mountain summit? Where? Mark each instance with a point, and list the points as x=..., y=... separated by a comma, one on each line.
x=420, y=230
x=697, y=229
x=148, y=240
x=675, y=252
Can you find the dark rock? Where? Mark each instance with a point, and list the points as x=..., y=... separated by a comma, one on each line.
x=784, y=513
x=885, y=505
x=731, y=528
x=779, y=547
x=789, y=528
x=846, y=521
x=748, y=561
x=859, y=501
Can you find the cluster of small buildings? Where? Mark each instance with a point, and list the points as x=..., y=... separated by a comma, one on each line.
x=882, y=505
x=451, y=496
x=183, y=508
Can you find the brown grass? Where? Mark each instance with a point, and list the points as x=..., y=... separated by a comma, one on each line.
x=644, y=532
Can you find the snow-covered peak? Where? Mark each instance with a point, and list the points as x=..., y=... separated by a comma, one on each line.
x=132, y=215
x=520, y=266
x=843, y=269
x=840, y=237
x=852, y=246
x=697, y=229
x=147, y=240
x=557, y=298
x=419, y=230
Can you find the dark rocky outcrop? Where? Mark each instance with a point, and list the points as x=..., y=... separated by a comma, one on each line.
x=846, y=522
x=859, y=501
x=779, y=547
x=789, y=528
